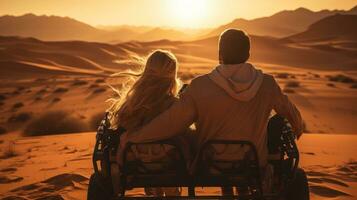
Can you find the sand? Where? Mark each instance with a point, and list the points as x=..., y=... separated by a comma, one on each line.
x=60, y=165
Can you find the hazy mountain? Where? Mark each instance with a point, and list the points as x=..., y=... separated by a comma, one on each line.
x=136, y=29
x=44, y=27
x=281, y=24
x=336, y=27
x=47, y=27
x=160, y=33
x=65, y=28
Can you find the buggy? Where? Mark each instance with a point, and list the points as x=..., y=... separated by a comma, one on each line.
x=242, y=173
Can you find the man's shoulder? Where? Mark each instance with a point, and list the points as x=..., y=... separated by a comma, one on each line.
x=196, y=84
x=200, y=79
x=268, y=78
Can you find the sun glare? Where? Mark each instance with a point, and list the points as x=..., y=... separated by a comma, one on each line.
x=188, y=13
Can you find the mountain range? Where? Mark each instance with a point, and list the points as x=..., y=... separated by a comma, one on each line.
x=55, y=28
x=336, y=27
x=281, y=24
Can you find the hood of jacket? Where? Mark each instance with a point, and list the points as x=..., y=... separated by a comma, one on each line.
x=241, y=81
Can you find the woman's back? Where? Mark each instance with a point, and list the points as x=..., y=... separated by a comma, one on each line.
x=139, y=119
x=144, y=115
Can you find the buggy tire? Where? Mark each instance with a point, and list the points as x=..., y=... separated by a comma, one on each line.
x=99, y=188
x=299, y=188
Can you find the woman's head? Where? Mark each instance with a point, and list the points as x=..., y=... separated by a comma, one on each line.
x=153, y=85
x=161, y=64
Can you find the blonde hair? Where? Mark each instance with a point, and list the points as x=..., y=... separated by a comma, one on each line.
x=151, y=88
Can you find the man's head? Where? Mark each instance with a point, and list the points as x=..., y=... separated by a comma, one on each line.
x=234, y=46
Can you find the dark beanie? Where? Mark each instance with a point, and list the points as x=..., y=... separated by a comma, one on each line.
x=234, y=46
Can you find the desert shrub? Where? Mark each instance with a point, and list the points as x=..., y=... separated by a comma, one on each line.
x=331, y=85
x=2, y=97
x=38, y=98
x=55, y=122
x=95, y=120
x=40, y=80
x=354, y=86
x=1, y=103
x=292, y=84
x=15, y=93
x=79, y=83
x=17, y=105
x=20, y=88
x=57, y=99
x=93, y=86
x=316, y=75
x=99, y=90
x=2, y=130
x=60, y=90
x=282, y=75
x=341, y=78
x=100, y=80
x=42, y=91
x=288, y=90
x=20, y=118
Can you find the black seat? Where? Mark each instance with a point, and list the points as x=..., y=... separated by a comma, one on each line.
x=240, y=169
x=169, y=172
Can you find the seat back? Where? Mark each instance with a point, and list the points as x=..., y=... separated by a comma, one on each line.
x=228, y=163
x=164, y=168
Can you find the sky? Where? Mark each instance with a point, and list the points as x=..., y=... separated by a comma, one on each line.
x=171, y=13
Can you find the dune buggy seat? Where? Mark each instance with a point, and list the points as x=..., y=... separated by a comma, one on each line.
x=241, y=172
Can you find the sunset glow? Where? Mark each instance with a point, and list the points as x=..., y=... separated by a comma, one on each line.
x=188, y=13
x=169, y=13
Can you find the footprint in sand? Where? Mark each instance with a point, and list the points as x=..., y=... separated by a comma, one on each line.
x=308, y=153
x=327, y=191
x=10, y=179
x=49, y=188
x=9, y=169
x=338, y=176
x=328, y=180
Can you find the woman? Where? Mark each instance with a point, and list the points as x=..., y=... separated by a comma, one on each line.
x=154, y=90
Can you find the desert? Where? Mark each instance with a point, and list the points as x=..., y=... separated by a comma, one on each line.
x=54, y=92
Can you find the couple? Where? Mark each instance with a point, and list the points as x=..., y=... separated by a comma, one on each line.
x=233, y=102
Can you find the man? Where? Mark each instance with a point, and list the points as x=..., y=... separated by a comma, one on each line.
x=233, y=102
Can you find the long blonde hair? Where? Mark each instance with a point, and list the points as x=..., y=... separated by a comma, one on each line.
x=151, y=88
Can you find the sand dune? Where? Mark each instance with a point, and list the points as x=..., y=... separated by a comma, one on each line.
x=94, y=58
x=37, y=57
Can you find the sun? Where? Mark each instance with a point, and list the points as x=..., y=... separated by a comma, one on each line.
x=188, y=13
